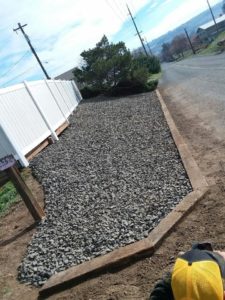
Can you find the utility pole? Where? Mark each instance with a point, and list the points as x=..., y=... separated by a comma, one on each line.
x=138, y=32
x=210, y=8
x=149, y=49
x=31, y=47
x=189, y=40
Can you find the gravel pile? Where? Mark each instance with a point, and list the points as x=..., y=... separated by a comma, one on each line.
x=113, y=175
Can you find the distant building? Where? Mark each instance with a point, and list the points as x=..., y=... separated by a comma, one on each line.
x=207, y=31
x=68, y=75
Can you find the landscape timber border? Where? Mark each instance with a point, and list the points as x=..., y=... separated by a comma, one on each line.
x=46, y=142
x=146, y=247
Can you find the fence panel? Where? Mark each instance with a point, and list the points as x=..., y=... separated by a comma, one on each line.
x=21, y=118
x=60, y=100
x=31, y=112
x=65, y=96
x=47, y=103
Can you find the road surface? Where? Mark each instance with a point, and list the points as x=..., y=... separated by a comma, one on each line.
x=197, y=85
x=194, y=91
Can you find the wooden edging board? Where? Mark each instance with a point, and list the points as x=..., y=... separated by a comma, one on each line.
x=34, y=152
x=147, y=246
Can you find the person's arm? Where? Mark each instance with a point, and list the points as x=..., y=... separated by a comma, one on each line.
x=162, y=289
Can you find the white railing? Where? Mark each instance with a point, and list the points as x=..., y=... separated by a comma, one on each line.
x=32, y=111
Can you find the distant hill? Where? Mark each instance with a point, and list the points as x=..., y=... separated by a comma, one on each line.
x=192, y=26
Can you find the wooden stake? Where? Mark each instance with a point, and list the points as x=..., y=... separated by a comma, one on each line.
x=28, y=198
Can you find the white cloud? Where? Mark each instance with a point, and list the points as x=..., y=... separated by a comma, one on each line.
x=61, y=29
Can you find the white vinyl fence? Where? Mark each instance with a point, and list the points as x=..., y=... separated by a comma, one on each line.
x=32, y=111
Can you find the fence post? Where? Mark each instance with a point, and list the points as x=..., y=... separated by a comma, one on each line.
x=21, y=157
x=77, y=92
x=34, y=208
x=56, y=101
x=53, y=134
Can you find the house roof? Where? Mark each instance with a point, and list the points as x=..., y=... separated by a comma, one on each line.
x=211, y=23
x=68, y=75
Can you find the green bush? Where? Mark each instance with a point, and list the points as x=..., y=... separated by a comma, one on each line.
x=139, y=74
x=151, y=63
x=152, y=85
x=88, y=92
x=130, y=87
x=154, y=66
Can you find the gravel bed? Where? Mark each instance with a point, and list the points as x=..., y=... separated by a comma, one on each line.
x=109, y=180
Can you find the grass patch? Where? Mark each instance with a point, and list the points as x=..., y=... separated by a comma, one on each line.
x=8, y=194
x=213, y=47
x=155, y=77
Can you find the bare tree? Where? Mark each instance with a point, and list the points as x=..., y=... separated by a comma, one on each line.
x=179, y=45
x=166, y=53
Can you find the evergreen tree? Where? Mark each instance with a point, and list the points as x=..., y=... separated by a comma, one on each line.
x=104, y=65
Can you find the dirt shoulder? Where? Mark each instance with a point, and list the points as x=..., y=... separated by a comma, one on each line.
x=206, y=221
x=16, y=230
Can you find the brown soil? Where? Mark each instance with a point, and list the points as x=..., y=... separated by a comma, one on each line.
x=205, y=222
x=16, y=230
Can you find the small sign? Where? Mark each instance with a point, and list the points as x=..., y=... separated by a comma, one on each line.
x=7, y=162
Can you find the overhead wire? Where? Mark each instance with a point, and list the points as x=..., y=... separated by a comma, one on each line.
x=132, y=5
x=115, y=11
x=123, y=13
x=27, y=70
x=15, y=64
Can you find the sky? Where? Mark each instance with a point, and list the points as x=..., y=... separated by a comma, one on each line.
x=60, y=30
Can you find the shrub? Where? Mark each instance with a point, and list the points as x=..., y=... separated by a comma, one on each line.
x=152, y=85
x=151, y=63
x=88, y=92
x=154, y=66
x=139, y=74
x=129, y=87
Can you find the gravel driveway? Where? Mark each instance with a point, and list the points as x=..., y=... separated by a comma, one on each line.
x=113, y=175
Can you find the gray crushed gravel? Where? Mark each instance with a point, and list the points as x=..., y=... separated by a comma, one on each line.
x=113, y=175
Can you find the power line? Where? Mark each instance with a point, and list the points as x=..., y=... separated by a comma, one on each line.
x=31, y=47
x=4, y=84
x=132, y=5
x=119, y=9
x=13, y=66
x=115, y=12
x=149, y=48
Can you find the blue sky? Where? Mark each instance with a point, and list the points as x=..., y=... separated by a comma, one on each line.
x=61, y=29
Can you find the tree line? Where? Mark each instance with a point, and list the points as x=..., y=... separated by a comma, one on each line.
x=175, y=49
